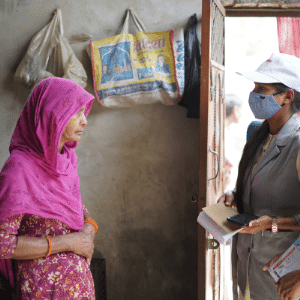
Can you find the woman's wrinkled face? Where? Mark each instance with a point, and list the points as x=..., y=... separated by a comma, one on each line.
x=75, y=127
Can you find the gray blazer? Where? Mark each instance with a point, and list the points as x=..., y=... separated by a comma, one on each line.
x=273, y=189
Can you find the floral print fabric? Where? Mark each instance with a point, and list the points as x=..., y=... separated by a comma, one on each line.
x=60, y=276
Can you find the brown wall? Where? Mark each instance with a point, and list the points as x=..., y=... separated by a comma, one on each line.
x=138, y=166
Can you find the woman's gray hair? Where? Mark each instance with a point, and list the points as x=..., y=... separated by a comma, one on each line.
x=232, y=100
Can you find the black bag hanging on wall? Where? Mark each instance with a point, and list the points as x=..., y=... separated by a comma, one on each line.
x=192, y=62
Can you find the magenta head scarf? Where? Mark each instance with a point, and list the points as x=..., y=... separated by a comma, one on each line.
x=36, y=179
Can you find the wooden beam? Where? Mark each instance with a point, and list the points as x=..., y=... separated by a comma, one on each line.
x=204, y=103
x=260, y=3
x=262, y=12
x=221, y=7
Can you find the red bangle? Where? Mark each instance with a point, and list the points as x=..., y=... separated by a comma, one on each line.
x=49, y=246
x=90, y=221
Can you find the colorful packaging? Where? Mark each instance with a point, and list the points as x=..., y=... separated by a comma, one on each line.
x=138, y=69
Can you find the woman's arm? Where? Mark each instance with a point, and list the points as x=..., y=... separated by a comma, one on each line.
x=26, y=247
x=265, y=222
x=88, y=228
x=86, y=213
x=79, y=243
x=288, y=223
x=37, y=247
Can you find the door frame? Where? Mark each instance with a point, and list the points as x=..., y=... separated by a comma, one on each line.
x=205, y=93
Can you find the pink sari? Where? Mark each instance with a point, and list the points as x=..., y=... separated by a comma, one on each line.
x=37, y=179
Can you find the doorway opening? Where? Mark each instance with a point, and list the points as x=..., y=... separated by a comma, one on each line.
x=248, y=42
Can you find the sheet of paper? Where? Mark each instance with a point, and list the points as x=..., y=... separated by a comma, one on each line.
x=288, y=262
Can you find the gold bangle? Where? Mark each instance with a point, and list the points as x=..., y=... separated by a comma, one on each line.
x=90, y=221
x=49, y=246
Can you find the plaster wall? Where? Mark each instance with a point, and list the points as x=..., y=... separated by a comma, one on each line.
x=138, y=166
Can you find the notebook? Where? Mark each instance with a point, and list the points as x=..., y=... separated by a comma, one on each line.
x=214, y=219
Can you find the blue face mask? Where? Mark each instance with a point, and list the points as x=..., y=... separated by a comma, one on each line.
x=263, y=106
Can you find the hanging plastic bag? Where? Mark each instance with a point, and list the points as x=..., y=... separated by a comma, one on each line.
x=50, y=55
x=143, y=68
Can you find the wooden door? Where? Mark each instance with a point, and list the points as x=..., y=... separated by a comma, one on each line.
x=212, y=114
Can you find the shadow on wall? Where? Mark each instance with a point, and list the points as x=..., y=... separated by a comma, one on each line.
x=9, y=6
x=153, y=264
x=98, y=269
x=15, y=89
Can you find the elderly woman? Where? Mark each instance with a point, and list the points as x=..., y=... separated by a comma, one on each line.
x=44, y=226
x=268, y=183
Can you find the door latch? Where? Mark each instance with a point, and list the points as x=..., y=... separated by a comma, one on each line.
x=212, y=244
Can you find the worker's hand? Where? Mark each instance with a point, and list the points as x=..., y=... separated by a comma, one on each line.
x=271, y=262
x=289, y=286
x=264, y=222
x=227, y=198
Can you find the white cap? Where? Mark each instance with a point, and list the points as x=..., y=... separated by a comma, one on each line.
x=280, y=67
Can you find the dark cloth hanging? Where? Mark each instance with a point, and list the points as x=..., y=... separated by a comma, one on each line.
x=192, y=62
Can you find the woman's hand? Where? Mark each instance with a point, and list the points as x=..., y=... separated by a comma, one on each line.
x=83, y=243
x=264, y=222
x=227, y=198
x=289, y=286
x=89, y=230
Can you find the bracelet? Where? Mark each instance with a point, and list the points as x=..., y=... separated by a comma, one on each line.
x=49, y=246
x=90, y=221
x=274, y=225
